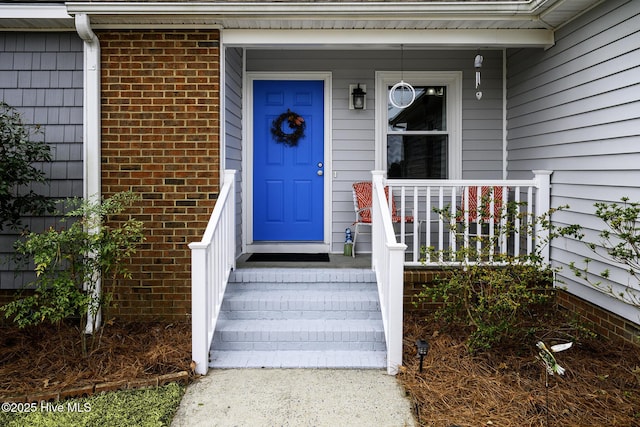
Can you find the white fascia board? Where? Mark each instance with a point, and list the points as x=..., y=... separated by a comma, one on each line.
x=507, y=8
x=34, y=11
x=373, y=38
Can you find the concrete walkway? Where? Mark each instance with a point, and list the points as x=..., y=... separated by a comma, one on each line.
x=295, y=397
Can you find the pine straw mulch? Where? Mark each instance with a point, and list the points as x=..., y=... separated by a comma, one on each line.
x=46, y=359
x=506, y=387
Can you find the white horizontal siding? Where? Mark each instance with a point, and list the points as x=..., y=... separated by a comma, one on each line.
x=574, y=109
x=353, y=132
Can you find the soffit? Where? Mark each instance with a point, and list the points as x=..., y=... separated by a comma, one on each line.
x=313, y=15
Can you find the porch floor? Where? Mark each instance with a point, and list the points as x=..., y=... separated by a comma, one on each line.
x=335, y=261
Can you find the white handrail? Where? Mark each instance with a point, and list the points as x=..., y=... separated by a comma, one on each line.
x=387, y=260
x=212, y=260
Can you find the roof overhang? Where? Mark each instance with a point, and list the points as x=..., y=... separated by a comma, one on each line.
x=441, y=23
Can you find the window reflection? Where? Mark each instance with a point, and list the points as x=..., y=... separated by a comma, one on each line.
x=417, y=156
x=427, y=113
x=417, y=138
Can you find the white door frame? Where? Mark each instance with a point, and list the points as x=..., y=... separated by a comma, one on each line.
x=248, y=245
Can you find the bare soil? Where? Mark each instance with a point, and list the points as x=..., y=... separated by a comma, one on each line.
x=506, y=386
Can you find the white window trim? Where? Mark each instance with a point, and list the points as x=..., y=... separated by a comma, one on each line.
x=453, y=81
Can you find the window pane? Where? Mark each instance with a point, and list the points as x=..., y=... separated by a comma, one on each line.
x=417, y=156
x=427, y=113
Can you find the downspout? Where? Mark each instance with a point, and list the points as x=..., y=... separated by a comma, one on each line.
x=91, y=130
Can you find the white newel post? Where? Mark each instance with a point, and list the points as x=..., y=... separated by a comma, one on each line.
x=395, y=305
x=543, y=203
x=199, y=321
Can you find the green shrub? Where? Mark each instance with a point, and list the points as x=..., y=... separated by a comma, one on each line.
x=69, y=262
x=619, y=243
x=20, y=152
x=492, y=292
x=494, y=301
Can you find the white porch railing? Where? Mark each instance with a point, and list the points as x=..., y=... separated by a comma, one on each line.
x=212, y=260
x=387, y=260
x=429, y=228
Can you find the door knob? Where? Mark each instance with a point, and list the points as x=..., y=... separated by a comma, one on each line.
x=320, y=173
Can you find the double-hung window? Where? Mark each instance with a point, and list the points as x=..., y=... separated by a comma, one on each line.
x=421, y=140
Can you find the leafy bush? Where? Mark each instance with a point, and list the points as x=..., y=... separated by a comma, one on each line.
x=494, y=300
x=70, y=261
x=620, y=243
x=20, y=154
x=490, y=291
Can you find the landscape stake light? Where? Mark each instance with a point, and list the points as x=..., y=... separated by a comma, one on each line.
x=423, y=349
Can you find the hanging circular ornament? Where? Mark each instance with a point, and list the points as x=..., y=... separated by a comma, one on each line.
x=403, y=88
x=294, y=121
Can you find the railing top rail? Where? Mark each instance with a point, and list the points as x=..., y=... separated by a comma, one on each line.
x=462, y=182
x=214, y=220
x=390, y=236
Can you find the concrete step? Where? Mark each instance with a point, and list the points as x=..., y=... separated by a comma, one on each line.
x=299, y=359
x=300, y=318
x=300, y=304
x=299, y=334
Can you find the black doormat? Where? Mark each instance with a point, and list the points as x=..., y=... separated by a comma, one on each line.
x=288, y=257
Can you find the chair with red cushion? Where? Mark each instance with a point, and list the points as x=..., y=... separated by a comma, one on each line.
x=362, y=201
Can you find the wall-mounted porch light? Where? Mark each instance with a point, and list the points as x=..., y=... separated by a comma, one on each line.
x=357, y=97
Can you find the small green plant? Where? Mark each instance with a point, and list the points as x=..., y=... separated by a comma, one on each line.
x=620, y=243
x=69, y=262
x=21, y=152
x=490, y=290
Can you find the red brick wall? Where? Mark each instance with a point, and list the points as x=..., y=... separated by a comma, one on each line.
x=599, y=320
x=160, y=138
x=414, y=282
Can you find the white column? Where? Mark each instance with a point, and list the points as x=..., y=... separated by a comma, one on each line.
x=543, y=203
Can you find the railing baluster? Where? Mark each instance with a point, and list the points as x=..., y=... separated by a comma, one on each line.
x=452, y=224
x=416, y=226
x=530, y=220
x=440, y=222
x=429, y=213
x=516, y=232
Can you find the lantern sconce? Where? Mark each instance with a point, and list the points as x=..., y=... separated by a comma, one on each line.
x=357, y=97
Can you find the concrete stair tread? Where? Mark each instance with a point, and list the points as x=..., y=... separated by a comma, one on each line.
x=299, y=359
x=329, y=325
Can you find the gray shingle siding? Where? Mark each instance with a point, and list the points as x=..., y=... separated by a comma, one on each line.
x=41, y=76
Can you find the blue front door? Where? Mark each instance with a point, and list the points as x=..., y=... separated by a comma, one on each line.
x=288, y=175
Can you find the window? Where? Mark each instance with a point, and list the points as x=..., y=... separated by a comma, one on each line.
x=422, y=140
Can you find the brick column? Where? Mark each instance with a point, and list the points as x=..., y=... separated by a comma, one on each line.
x=160, y=138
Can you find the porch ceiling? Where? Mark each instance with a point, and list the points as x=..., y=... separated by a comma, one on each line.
x=546, y=15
